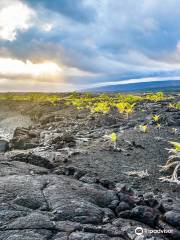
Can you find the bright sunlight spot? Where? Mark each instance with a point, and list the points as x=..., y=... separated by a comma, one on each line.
x=14, y=67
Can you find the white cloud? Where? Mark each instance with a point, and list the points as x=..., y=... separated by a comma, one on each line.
x=14, y=16
x=47, y=27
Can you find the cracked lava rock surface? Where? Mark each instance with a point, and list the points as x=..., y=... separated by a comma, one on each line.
x=60, y=179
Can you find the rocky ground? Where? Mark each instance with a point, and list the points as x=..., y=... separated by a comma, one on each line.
x=61, y=179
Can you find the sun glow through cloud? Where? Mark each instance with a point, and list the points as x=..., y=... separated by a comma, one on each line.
x=16, y=68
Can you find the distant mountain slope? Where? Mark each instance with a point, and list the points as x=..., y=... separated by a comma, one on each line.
x=171, y=85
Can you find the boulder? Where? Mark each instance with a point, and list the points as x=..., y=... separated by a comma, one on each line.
x=173, y=218
x=63, y=140
x=24, y=138
x=142, y=214
x=20, y=168
x=34, y=220
x=32, y=158
x=23, y=190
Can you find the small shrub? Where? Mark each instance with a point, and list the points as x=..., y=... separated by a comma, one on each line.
x=173, y=162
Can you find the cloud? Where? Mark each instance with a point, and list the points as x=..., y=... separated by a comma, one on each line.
x=95, y=41
x=20, y=85
x=79, y=11
x=14, y=16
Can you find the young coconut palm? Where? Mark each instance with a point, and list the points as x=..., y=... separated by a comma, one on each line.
x=114, y=138
x=173, y=162
x=156, y=118
x=143, y=128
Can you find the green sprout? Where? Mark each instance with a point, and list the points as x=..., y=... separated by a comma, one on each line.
x=114, y=138
x=174, y=105
x=143, y=128
x=155, y=97
x=101, y=107
x=158, y=126
x=156, y=118
x=125, y=107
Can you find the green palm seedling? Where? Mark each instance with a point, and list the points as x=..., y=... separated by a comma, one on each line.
x=114, y=139
x=125, y=108
x=173, y=162
x=121, y=107
x=174, y=105
x=53, y=99
x=156, y=118
x=101, y=107
x=155, y=97
x=158, y=126
x=171, y=105
x=129, y=109
x=143, y=128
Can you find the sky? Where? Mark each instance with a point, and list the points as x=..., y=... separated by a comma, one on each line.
x=68, y=45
